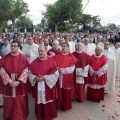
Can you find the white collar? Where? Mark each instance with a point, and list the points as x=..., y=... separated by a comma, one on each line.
x=15, y=54
x=44, y=58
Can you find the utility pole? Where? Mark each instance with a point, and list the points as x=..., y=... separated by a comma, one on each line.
x=85, y=6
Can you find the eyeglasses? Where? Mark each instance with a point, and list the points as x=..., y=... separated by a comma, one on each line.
x=14, y=46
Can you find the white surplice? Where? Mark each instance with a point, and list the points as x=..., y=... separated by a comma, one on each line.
x=71, y=46
x=101, y=44
x=111, y=70
x=32, y=50
x=117, y=57
x=50, y=80
x=88, y=49
x=93, y=46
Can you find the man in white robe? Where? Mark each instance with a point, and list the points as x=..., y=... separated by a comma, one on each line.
x=116, y=50
x=101, y=44
x=6, y=48
x=111, y=71
x=93, y=46
x=30, y=50
x=46, y=43
x=71, y=45
x=87, y=47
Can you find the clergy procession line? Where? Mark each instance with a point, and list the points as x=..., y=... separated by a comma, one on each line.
x=55, y=68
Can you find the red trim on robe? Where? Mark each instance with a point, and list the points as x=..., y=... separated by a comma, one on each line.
x=96, y=64
x=14, y=64
x=44, y=67
x=83, y=60
x=58, y=51
x=64, y=61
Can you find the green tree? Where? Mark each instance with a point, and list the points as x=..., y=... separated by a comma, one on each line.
x=5, y=7
x=89, y=22
x=112, y=26
x=24, y=22
x=18, y=8
x=63, y=10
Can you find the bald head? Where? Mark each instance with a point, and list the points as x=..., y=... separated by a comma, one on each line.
x=98, y=50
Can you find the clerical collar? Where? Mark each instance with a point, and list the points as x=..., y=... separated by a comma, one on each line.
x=98, y=56
x=64, y=54
x=44, y=58
x=78, y=51
x=15, y=54
x=55, y=49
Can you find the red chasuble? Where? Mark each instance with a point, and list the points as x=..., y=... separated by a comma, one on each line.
x=1, y=86
x=64, y=61
x=58, y=51
x=44, y=67
x=96, y=63
x=83, y=60
x=14, y=64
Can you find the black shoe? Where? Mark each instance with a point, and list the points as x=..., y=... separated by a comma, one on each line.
x=63, y=109
x=1, y=106
x=98, y=101
x=78, y=101
x=7, y=119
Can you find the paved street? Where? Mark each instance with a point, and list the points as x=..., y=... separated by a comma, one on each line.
x=109, y=109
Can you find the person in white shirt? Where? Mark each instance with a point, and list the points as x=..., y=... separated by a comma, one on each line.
x=87, y=47
x=6, y=48
x=30, y=49
x=101, y=44
x=116, y=50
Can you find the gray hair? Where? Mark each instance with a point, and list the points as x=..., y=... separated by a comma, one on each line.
x=43, y=46
x=55, y=41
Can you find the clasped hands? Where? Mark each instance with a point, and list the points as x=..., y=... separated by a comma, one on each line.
x=95, y=74
x=14, y=84
x=39, y=78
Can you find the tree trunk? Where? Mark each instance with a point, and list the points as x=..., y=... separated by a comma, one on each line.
x=0, y=29
x=56, y=27
x=13, y=22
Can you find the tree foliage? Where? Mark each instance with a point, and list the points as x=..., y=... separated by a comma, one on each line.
x=5, y=7
x=18, y=8
x=88, y=21
x=63, y=10
x=24, y=21
x=112, y=26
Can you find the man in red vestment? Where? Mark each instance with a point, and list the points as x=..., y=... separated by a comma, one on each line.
x=66, y=64
x=14, y=75
x=1, y=91
x=55, y=49
x=43, y=77
x=97, y=78
x=81, y=73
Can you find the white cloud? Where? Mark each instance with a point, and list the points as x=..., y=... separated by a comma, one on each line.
x=108, y=10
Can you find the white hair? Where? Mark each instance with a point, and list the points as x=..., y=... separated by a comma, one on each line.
x=55, y=41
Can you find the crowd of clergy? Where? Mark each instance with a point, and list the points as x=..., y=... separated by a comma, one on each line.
x=56, y=68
